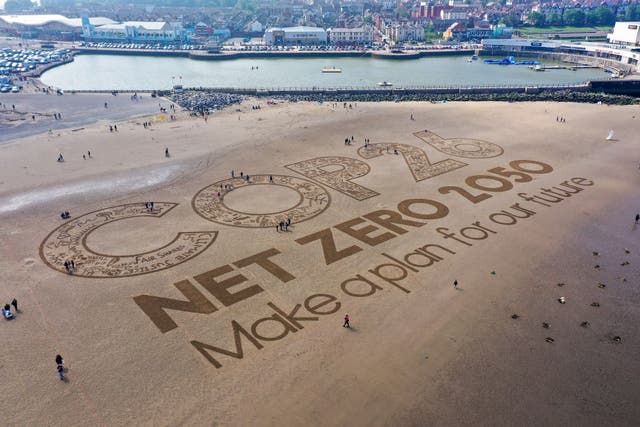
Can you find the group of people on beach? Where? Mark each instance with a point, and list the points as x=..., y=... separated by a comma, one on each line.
x=149, y=206
x=561, y=119
x=283, y=225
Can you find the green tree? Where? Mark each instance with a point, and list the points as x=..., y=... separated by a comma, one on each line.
x=632, y=12
x=574, y=17
x=401, y=12
x=511, y=20
x=554, y=19
x=604, y=16
x=18, y=5
x=537, y=18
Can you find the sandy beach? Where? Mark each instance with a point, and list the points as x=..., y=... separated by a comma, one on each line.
x=201, y=311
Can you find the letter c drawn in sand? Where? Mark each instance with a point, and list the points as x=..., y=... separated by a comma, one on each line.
x=69, y=242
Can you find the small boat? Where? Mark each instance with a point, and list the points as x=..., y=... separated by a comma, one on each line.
x=538, y=68
x=331, y=70
x=385, y=84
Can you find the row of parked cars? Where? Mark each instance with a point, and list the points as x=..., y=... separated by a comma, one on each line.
x=16, y=61
x=7, y=86
x=329, y=48
x=156, y=46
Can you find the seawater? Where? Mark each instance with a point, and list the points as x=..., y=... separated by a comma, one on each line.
x=111, y=72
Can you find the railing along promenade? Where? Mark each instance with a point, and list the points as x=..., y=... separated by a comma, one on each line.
x=355, y=90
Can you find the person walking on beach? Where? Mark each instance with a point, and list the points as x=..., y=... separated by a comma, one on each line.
x=455, y=284
x=346, y=321
x=60, y=370
x=14, y=303
x=166, y=152
x=637, y=218
x=60, y=366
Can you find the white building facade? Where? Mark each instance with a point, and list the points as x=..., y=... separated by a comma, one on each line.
x=404, y=32
x=351, y=36
x=627, y=33
x=134, y=31
x=295, y=36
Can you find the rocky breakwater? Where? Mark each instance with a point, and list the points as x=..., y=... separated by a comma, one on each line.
x=205, y=101
x=554, y=96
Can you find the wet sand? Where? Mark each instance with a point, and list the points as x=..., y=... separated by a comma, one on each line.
x=419, y=352
x=77, y=110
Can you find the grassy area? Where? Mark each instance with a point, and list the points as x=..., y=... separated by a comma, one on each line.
x=535, y=30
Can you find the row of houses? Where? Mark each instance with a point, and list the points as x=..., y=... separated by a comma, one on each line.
x=364, y=35
x=318, y=36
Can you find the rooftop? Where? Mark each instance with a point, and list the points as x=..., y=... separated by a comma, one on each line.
x=39, y=20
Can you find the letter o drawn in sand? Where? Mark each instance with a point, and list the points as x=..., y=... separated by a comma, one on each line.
x=313, y=200
x=69, y=242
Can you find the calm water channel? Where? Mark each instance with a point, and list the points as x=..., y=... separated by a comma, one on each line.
x=144, y=72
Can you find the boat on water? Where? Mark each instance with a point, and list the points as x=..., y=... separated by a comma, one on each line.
x=385, y=84
x=332, y=70
x=510, y=60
